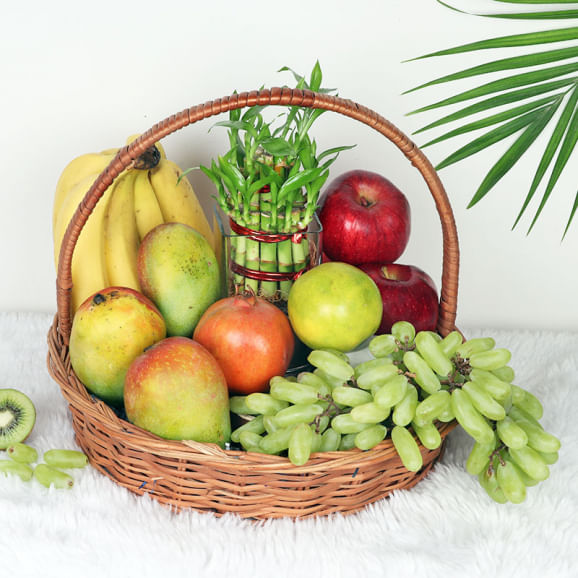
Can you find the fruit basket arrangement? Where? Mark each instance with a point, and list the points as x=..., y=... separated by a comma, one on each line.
x=247, y=481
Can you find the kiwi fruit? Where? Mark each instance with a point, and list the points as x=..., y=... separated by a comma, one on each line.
x=17, y=417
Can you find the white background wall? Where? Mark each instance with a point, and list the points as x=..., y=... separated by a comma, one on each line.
x=77, y=77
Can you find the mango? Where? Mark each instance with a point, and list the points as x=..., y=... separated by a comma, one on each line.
x=179, y=272
x=109, y=330
x=177, y=390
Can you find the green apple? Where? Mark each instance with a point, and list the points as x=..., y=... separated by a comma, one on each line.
x=334, y=305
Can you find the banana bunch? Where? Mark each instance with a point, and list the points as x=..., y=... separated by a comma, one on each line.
x=138, y=200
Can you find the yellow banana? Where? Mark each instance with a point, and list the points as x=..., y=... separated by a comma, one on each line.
x=146, y=206
x=88, y=263
x=177, y=199
x=76, y=170
x=121, y=238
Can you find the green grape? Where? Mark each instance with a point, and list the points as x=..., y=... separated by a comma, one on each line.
x=336, y=352
x=424, y=375
x=370, y=412
x=347, y=442
x=294, y=414
x=382, y=345
x=65, y=459
x=505, y=373
x=300, y=443
x=20, y=469
x=490, y=360
x=549, y=458
x=539, y=439
x=518, y=415
x=316, y=382
x=49, y=476
x=22, y=453
x=375, y=374
x=484, y=402
x=269, y=424
x=527, y=401
x=391, y=392
x=403, y=331
x=470, y=418
x=450, y=343
x=531, y=462
x=432, y=406
x=475, y=345
x=434, y=334
x=407, y=448
x=264, y=403
x=365, y=366
x=345, y=424
x=321, y=423
x=330, y=440
x=250, y=441
x=330, y=380
x=238, y=405
x=315, y=440
x=404, y=410
x=528, y=481
x=447, y=415
x=479, y=457
x=498, y=389
x=432, y=353
x=331, y=364
x=255, y=425
x=428, y=435
x=293, y=392
x=277, y=441
x=489, y=482
x=370, y=437
x=511, y=433
x=510, y=482
x=351, y=396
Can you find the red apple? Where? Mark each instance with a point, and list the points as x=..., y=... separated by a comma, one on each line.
x=365, y=218
x=408, y=294
x=250, y=338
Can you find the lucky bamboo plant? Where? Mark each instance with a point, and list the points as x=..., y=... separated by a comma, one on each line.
x=268, y=184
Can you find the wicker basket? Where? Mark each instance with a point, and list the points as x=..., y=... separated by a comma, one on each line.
x=203, y=476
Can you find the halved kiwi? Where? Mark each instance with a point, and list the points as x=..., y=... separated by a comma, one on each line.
x=17, y=417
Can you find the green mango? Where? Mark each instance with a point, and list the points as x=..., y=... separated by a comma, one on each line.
x=179, y=272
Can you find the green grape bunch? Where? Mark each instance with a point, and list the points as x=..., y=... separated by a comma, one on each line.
x=411, y=384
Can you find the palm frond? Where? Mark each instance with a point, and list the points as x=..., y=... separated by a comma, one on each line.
x=528, y=102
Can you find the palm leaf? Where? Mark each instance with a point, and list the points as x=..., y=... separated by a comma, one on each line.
x=500, y=100
x=490, y=120
x=566, y=149
x=550, y=150
x=549, y=76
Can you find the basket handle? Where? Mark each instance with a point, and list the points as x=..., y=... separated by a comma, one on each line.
x=274, y=96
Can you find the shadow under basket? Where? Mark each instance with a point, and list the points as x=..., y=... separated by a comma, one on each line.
x=204, y=477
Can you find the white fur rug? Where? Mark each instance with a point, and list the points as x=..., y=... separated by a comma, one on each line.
x=445, y=526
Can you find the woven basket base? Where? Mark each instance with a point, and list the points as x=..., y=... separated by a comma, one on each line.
x=203, y=477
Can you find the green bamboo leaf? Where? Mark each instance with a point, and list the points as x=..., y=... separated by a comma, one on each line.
x=490, y=120
x=526, y=39
x=278, y=147
x=238, y=125
x=504, y=84
x=513, y=154
x=491, y=137
x=232, y=172
x=523, y=61
x=316, y=77
x=297, y=181
x=566, y=150
x=546, y=15
x=572, y=212
x=550, y=150
x=334, y=150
